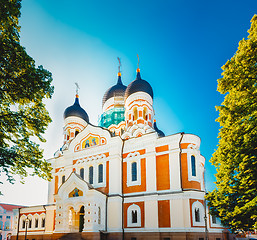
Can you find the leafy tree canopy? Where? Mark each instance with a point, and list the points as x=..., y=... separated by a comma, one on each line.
x=23, y=86
x=235, y=198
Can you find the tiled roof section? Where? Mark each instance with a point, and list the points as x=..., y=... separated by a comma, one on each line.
x=9, y=207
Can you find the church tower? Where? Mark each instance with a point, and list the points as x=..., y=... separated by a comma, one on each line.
x=113, y=108
x=75, y=120
x=139, y=112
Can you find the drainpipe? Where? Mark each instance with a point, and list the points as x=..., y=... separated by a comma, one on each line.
x=45, y=218
x=122, y=195
x=18, y=226
x=106, y=202
x=205, y=209
x=180, y=151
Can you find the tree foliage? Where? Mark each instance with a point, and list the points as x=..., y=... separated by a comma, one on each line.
x=23, y=86
x=235, y=198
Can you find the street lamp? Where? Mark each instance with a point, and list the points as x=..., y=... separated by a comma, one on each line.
x=26, y=227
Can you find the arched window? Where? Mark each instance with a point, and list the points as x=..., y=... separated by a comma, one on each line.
x=30, y=223
x=99, y=215
x=36, y=223
x=43, y=222
x=135, y=114
x=81, y=173
x=7, y=225
x=91, y=169
x=144, y=113
x=100, y=173
x=23, y=223
x=134, y=216
x=193, y=165
x=197, y=214
x=63, y=178
x=134, y=171
x=76, y=132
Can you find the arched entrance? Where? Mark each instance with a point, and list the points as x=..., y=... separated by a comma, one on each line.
x=81, y=218
x=73, y=220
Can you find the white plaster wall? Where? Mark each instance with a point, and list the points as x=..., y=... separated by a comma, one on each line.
x=175, y=174
x=115, y=164
x=151, y=214
x=114, y=218
x=49, y=220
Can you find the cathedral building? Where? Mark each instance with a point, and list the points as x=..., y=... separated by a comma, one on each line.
x=123, y=179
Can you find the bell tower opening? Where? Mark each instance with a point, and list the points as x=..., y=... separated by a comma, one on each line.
x=81, y=218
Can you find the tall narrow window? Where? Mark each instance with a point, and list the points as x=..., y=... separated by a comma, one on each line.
x=193, y=165
x=91, y=174
x=135, y=114
x=99, y=215
x=81, y=173
x=144, y=113
x=30, y=223
x=43, y=222
x=63, y=178
x=23, y=224
x=100, y=173
x=214, y=220
x=197, y=215
x=134, y=216
x=134, y=171
x=76, y=133
x=36, y=223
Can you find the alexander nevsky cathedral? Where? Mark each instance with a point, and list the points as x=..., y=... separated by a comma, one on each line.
x=122, y=179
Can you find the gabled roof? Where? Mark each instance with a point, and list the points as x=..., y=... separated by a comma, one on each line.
x=10, y=207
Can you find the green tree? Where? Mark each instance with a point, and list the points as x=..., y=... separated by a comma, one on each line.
x=234, y=200
x=23, y=86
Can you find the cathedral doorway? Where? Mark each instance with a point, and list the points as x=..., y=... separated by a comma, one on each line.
x=73, y=220
x=81, y=218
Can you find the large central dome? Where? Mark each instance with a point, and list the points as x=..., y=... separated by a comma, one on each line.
x=76, y=111
x=117, y=90
x=138, y=85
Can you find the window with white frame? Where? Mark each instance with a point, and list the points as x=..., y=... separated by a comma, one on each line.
x=133, y=170
x=193, y=166
x=100, y=173
x=134, y=216
x=81, y=173
x=198, y=213
x=63, y=178
x=36, y=222
x=91, y=174
x=43, y=223
x=193, y=160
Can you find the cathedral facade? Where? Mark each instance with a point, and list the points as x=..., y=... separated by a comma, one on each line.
x=123, y=179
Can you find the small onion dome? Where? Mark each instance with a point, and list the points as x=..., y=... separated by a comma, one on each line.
x=138, y=85
x=117, y=90
x=159, y=132
x=76, y=111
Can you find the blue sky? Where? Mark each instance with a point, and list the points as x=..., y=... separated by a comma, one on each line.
x=182, y=46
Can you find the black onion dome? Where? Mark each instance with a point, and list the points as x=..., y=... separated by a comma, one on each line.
x=139, y=85
x=117, y=90
x=76, y=111
x=159, y=132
